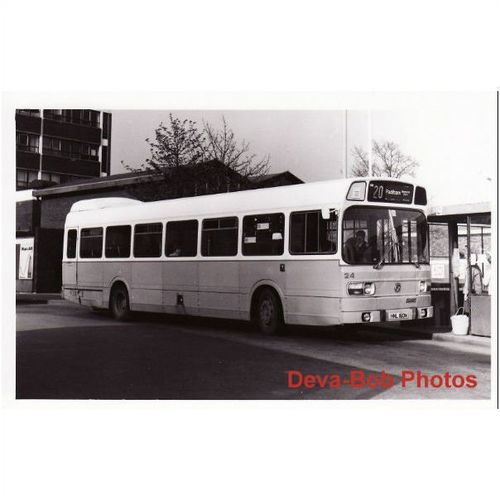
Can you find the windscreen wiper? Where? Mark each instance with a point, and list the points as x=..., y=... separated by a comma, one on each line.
x=381, y=262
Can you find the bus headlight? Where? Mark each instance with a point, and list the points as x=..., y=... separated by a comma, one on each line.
x=424, y=286
x=361, y=288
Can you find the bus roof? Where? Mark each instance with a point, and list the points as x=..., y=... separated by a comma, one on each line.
x=323, y=194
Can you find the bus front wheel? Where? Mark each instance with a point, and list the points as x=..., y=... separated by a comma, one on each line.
x=119, y=303
x=269, y=314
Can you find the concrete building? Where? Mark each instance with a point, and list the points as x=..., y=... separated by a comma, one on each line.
x=54, y=146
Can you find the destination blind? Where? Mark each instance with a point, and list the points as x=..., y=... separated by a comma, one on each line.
x=390, y=192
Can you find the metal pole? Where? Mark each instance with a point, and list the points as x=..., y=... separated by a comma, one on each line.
x=346, y=173
x=370, y=168
x=469, y=274
x=452, y=244
x=40, y=146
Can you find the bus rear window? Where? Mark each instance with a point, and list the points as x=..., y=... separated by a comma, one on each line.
x=219, y=237
x=91, y=243
x=71, y=244
x=311, y=234
x=147, y=240
x=182, y=238
x=263, y=234
x=118, y=241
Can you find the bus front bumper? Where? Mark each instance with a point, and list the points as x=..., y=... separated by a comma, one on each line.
x=408, y=313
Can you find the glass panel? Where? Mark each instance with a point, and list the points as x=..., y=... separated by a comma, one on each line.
x=71, y=244
x=147, y=240
x=263, y=234
x=392, y=236
x=91, y=243
x=118, y=241
x=182, y=238
x=311, y=234
x=220, y=237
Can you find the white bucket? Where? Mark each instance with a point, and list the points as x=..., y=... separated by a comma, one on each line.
x=460, y=323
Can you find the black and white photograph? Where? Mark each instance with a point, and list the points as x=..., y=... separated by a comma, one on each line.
x=249, y=250
x=256, y=254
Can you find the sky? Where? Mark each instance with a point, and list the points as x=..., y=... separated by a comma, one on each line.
x=451, y=135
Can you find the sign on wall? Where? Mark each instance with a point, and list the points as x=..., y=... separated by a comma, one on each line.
x=25, y=258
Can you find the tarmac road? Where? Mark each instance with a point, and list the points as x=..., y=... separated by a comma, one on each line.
x=65, y=351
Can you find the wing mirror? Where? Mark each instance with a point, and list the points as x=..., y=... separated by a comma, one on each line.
x=326, y=213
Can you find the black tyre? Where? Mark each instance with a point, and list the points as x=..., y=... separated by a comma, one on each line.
x=119, y=303
x=269, y=313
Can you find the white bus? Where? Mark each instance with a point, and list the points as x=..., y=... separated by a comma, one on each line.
x=323, y=253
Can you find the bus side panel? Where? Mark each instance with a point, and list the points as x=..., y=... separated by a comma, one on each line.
x=69, y=285
x=219, y=284
x=90, y=282
x=69, y=274
x=313, y=292
x=115, y=271
x=180, y=287
x=147, y=286
x=254, y=273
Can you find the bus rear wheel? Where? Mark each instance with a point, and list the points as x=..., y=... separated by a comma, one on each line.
x=268, y=313
x=119, y=303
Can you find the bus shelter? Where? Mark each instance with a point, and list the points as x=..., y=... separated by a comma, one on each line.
x=460, y=244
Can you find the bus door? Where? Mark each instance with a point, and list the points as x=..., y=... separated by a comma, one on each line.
x=312, y=273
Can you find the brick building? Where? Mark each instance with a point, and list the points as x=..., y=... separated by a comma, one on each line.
x=41, y=213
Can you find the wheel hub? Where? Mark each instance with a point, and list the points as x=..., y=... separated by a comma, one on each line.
x=266, y=311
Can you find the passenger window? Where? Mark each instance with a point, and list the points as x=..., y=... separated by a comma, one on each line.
x=118, y=241
x=71, y=244
x=182, y=238
x=311, y=234
x=91, y=243
x=147, y=240
x=219, y=237
x=263, y=234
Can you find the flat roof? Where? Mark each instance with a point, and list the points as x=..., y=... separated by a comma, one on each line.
x=460, y=209
x=110, y=181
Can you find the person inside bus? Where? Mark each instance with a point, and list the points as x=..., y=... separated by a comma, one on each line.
x=371, y=253
x=355, y=248
x=174, y=250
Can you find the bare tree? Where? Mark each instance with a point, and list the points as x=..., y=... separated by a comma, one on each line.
x=177, y=145
x=222, y=145
x=186, y=160
x=388, y=161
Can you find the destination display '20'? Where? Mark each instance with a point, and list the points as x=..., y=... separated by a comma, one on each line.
x=390, y=192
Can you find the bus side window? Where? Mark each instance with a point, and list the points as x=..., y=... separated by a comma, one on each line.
x=311, y=234
x=219, y=237
x=147, y=239
x=263, y=234
x=182, y=238
x=118, y=241
x=71, y=244
x=91, y=243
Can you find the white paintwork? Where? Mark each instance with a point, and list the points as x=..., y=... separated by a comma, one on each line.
x=313, y=289
x=24, y=195
x=325, y=194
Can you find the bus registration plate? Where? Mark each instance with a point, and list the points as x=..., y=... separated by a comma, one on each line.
x=399, y=315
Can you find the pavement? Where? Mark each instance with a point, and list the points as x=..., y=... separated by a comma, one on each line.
x=36, y=298
x=65, y=351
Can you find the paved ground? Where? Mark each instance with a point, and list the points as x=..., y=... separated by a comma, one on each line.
x=69, y=352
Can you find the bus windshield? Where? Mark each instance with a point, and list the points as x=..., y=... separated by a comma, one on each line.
x=378, y=236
